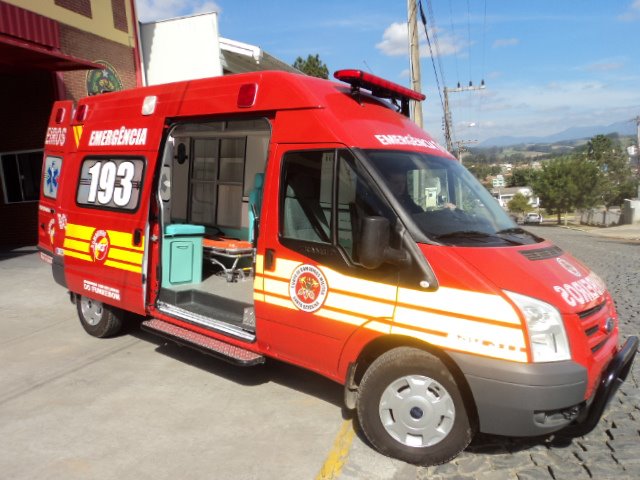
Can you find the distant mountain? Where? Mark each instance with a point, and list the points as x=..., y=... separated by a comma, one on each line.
x=573, y=133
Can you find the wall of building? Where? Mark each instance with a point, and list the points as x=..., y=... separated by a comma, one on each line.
x=92, y=30
x=94, y=48
x=100, y=20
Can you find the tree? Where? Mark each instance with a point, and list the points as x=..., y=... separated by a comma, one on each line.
x=522, y=177
x=567, y=183
x=617, y=180
x=312, y=66
x=519, y=204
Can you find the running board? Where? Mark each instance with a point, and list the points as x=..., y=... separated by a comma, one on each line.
x=210, y=346
x=222, y=327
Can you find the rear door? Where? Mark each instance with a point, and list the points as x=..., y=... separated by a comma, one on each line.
x=56, y=145
x=106, y=212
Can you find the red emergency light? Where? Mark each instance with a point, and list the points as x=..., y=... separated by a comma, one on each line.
x=379, y=87
x=247, y=95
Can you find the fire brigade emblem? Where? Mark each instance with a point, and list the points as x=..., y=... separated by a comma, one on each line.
x=308, y=288
x=99, y=245
x=568, y=267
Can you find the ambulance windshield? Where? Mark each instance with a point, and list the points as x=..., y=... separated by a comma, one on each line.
x=445, y=201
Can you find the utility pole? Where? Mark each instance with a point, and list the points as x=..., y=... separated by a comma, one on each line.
x=447, y=112
x=414, y=61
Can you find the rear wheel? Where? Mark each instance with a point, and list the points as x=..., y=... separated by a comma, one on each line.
x=98, y=319
x=411, y=408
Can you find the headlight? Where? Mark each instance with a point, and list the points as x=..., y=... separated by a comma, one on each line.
x=547, y=336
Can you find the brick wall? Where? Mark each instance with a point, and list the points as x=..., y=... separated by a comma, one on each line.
x=83, y=7
x=119, y=15
x=91, y=47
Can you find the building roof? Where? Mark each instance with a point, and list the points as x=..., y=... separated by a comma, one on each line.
x=238, y=57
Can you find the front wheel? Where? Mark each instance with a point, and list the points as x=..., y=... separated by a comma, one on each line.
x=98, y=319
x=411, y=408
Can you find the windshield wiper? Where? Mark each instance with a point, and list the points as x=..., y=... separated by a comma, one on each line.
x=512, y=230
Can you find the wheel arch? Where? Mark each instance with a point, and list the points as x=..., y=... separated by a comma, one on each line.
x=382, y=344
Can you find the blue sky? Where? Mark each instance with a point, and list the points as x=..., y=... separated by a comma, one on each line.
x=547, y=64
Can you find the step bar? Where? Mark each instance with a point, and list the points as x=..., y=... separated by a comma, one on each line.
x=210, y=346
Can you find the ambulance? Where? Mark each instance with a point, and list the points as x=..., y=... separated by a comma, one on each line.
x=276, y=215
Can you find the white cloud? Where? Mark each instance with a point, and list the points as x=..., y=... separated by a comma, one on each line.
x=395, y=41
x=603, y=65
x=632, y=14
x=150, y=10
x=506, y=42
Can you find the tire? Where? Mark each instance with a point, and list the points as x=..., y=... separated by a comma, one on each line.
x=98, y=319
x=410, y=407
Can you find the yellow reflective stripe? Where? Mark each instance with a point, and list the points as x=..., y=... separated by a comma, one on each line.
x=280, y=302
x=124, y=266
x=81, y=256
x=462, y=302
x=259, y=263
x=355, y=304
x=125, y=256
x=79, y=231
x=258, y=297
x=466, y=336
x=124, y=239
x=76, y=245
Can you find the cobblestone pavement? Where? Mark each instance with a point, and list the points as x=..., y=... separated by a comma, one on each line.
x=611, y=450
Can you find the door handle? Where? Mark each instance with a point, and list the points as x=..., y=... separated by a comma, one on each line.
x=137, y=237
x=269, y=259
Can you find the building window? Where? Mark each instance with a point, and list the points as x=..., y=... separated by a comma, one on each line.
x=83, y=7
x=21, y=176
x=119, y=15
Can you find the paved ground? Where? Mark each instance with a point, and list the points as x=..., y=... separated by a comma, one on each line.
x=72, y=406
x=133, y=407
x=610, y=451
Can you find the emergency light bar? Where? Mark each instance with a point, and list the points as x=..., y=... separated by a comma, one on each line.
x=379, y=87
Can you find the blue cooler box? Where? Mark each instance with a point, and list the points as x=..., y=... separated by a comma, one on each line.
x=182, y=254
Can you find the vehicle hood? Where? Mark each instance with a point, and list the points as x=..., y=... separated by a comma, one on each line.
x=542, y=271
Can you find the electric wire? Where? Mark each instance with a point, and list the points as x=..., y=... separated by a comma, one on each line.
x=433, y=62
x=436, y=47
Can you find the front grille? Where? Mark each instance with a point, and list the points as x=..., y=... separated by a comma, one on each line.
x=542, y=253
x=592, y=311
x=593, y=321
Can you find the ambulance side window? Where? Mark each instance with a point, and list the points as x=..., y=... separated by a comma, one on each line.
x=356, y=200
x=324, y=199
x=111, y=183
x=306, y=196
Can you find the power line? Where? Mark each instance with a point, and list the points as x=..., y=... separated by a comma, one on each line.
x=433, y=62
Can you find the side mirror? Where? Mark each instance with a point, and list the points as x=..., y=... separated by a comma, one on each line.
x=374, y=245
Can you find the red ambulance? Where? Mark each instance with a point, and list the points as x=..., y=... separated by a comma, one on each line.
x=277, y=215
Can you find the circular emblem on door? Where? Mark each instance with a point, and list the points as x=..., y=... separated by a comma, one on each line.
x=99, y=245
x=568, y=267
x=308, y=288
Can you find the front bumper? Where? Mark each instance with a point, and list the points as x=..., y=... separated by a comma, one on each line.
x=520, y=400
x=613, y=377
